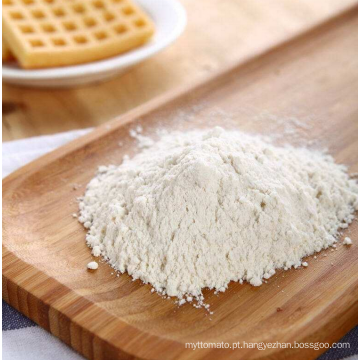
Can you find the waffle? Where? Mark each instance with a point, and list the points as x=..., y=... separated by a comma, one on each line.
x=48, y=33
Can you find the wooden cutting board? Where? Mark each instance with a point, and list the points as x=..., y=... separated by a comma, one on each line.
x=304, y=90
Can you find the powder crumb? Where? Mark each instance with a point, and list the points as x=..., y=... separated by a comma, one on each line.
x=182, y=302
x=152, y=290
x=189, y=299
x=347, y=241
x=102, y=169
x=315, y=257
x=92, y=265
x=76, y=186
x=143, y=141
x=74, y=215
x=133, y=133
x=305, y=264
x=96, y=251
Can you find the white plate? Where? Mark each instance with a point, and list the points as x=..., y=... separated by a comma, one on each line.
x=170, y=20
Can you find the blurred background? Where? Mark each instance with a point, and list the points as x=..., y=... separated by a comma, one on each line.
x=219, y=33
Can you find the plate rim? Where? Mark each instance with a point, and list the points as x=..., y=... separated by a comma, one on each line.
x=113, y=64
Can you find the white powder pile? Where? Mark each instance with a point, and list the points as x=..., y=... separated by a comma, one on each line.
x=202, y=208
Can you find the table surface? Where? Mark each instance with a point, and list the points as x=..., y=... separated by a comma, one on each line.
x=219, y=33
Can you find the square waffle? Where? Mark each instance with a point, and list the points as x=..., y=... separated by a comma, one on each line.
x=48, y=33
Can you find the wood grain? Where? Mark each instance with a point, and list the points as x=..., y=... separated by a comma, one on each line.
x=219, y=33
x=310, y=83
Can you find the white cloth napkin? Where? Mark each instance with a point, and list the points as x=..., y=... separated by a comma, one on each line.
x=20, y=152
x=34, y=343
